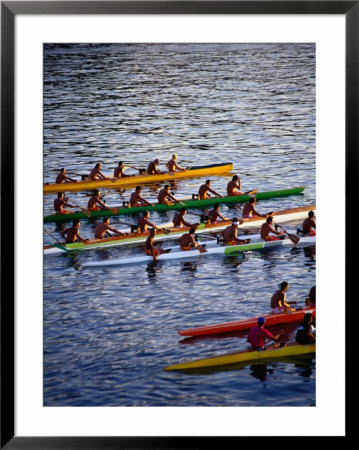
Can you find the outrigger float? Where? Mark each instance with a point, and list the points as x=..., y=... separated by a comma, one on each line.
x=246, y=324
x=285, y=215
x=212, y=249
x=117, y=183
x=244, y=357
x=187, y=203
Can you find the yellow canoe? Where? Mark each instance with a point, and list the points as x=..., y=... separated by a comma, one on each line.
x=245, y=356
x=114, y=183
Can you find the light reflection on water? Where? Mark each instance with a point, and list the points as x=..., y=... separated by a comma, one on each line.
x=108, y=333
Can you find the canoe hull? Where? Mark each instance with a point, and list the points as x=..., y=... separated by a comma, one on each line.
x=188, y=204
x=244, y=357
x=212, y=169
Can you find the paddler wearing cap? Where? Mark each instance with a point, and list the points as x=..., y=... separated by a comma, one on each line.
x=152, y=167
x=230, y=234
x=258, y=335
x=95, y=203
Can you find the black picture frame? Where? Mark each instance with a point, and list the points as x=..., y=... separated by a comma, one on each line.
x=9, y=9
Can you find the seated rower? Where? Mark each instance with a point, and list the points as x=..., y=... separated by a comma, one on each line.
x=103, y=229
x=306, y=331
x=204, y=189
x=172, y=165
x=267, y=228
x=143, y=222
x=234, y=187
x=214, y=214
x=278, y=301
x=309, y=225
x=119, y=171
x=94, y=201
x=137, y=200
x=230, y=234
x=150, y=248
x=96, y=173
x=179, y=220
x=258, y=334
x=187, y=241
x=165, y=194
x=73, y=233
x=152, y=167
x=63, y=178
x=249, y=209
x=60, y=202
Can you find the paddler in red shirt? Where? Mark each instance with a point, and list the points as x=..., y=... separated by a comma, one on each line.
x=249, y=209
x=152, y=167
x=204, y=189
x=267, y=228
x=63, y=178
x=230, y=234
x=172, y=165
x=73, y=233
x=103, y=229
x=94, y=201
x=258, y=335
x=96, y=173
x=234, y=187
x=279, y=302
x=179, y=220
x=164, y=194
x=150, y=248
x=60, y=202
x=137, y=200
x=309, y=225
x=214, y=214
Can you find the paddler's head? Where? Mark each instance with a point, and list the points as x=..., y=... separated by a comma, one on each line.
x=261, y=321
x=76, y=223
x=106, y=220
x=269, y=220
x=252, y=200
x=146, y=214
x=216, y=207
x=183, y=211
x=311, y=214
x=156, y=161
x=62, y=170
x=284, y=286
x=192, y=230
x=60, y=194
x=235, y=178
x=166, y=187
x=98, y=166
x=308, y=317
x=97, y=193
x=120, y=163
x=174, y=156
x=138, y=189
x=208, y=182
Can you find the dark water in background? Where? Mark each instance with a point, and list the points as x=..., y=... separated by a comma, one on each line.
x=108, y=333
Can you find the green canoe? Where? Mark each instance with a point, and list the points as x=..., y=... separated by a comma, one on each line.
x=190, y=203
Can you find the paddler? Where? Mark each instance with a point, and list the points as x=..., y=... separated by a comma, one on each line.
x=172, y=165
x=179, y=220
x=267, y=228
x=63, y=178
x=150, y=248
x=103, y=229
x=94, y=201
x=143, y=222
x=137, y=200
x=152, y=167
x=279, y=302
x=187, y=241
x=258, y=335
x=73, y=233
x=60, y=202
x=249, y=209
x=119, y=170
x=214, y=214
x=230, y=234
x=165, y=194
x=306, y=330
x=234, y=187
x=96, y=173
x=204, y=189
x=309, y=225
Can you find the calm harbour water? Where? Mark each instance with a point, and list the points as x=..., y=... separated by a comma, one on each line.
x=109, y=332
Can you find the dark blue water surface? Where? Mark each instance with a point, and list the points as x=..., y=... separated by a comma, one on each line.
x=109, y=332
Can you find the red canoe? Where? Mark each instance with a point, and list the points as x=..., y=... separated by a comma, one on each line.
x=240, y=325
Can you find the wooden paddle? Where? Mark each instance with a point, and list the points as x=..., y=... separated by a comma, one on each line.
x=202, y=249
x=295, y=239
x=87, y=212
x=55, y=238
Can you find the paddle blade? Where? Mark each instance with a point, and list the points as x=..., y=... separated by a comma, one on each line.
x=114, y=210
x=295, y=239
x=86, y=212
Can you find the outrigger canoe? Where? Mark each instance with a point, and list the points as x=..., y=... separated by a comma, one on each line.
x=245, y=357
x=114, y=183
x=216, y=249
x=285, y=215
x=188, y=203
x=243, y=325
